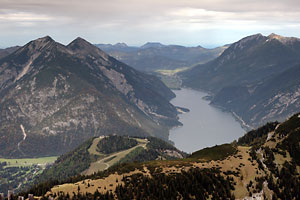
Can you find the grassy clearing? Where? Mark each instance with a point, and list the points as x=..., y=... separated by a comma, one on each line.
x=217, y=152
x=239, y=163
x=28, y=161
x=111, y=159
x=93, y=148
x=171, y=71
x=171, y=80
x=102, y=185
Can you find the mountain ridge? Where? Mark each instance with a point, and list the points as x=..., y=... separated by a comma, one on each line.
x=264, y=163
x=153, y=56
x=235, y=78
x=57, y=93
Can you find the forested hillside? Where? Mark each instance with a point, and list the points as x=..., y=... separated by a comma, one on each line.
x=264, y=163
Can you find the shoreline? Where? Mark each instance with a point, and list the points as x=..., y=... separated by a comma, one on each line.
x=238, y=123
x=238, y=118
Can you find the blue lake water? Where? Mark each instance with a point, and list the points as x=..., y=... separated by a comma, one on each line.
x=204, y=125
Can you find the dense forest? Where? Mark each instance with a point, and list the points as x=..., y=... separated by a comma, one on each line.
x=115, y=143
x=70, y=164
x=257, y=136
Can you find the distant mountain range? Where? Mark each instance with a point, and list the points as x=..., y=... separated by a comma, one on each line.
x=53, y=97
x=154, y=56
x=257, y=78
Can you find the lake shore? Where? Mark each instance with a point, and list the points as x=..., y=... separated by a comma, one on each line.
x=205, y=125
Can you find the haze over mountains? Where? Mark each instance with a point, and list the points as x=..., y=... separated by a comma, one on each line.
x=154, y=56
x=53, y=97
x=257, y=78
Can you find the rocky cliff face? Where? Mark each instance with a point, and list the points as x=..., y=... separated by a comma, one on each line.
x=54, y=96
x=274, y=99
x=255, y=77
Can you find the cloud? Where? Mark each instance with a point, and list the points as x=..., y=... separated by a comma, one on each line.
x=23, y=17
x=138, y=21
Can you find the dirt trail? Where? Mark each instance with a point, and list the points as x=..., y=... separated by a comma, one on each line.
x=106, y=162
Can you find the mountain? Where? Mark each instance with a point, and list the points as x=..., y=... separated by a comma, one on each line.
x=254, y=78
x=122, y=47
x=7, y=51
x=153, y=56
x=274, y=99
x=53, y=97
x=152, y=45
x=263, y=164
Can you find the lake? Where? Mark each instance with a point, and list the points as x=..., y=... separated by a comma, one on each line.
x=204, y=125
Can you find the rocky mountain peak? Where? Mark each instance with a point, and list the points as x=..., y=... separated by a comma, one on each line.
x=40, y=43
x=275, y=36
x=282, y=39
x=246, y=42
x=46, y=38
x=121, y=45
x=79, y=43
x=251, y=38
x=241, y=47
x=83, y=47
x=152, y=45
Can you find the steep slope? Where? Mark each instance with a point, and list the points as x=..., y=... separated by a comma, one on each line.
x=274, y=99
x=263, y=164
x=154, y=56
x=53, y=97
x=254, y=78
x=246, y=62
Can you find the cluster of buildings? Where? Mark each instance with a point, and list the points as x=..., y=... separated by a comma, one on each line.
x=10, y=196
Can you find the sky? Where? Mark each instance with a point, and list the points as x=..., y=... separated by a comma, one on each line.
x=208, y=23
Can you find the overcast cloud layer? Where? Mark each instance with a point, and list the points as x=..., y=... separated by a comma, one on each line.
x=188, y=22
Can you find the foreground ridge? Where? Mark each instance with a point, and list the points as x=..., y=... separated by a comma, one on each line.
x=262, y=164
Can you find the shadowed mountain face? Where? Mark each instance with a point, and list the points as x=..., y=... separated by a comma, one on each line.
x=54, y=96
x=7, y=51
x=153, y=56
x=255, y=77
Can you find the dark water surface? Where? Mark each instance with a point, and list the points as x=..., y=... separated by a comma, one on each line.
x=204, y=125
